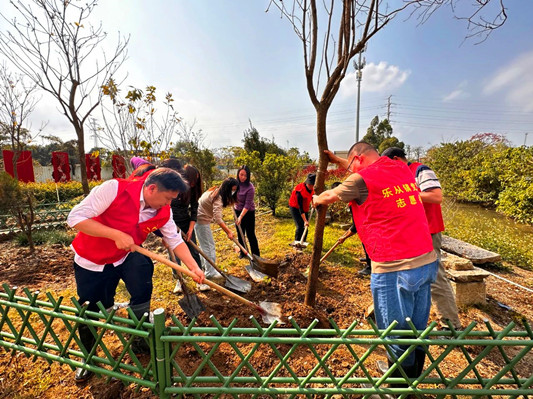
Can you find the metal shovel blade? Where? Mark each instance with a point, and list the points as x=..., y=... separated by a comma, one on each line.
x=191, y=305
x=236, y=284
x=256, y=275
x=299, y=244
x=266, y=266
x=273, y=312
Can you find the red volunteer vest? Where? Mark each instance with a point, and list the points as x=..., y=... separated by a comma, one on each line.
x=123, y=215
x=307, y=196
x=433, y=211
x=391, y=222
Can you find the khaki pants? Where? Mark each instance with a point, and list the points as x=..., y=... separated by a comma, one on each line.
x=442, y=294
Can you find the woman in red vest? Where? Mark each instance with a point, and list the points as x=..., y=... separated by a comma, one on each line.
x=299, y=204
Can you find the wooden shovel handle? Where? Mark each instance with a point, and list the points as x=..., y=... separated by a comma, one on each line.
x=207, y=258
x=186, y=271
x=307, y=227
x=242, y=248
x=330, y=251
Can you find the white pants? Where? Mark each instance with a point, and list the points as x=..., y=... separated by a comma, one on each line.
x=204, y=235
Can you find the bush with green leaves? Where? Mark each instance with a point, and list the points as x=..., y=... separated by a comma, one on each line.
x=63, y=237
x=492, y=174
x=47, y=193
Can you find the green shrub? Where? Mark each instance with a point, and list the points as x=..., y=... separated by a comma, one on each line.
x=46, y=193
x=40, y=237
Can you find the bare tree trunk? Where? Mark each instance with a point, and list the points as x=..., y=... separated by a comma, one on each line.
x=310, y=295
x=83, y=167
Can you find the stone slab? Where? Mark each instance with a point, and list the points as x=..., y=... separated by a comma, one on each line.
x=467, y=276
x=472, y=252
x=451, y=261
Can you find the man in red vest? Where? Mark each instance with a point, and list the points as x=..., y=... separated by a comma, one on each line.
x=431, y=193
x=390, y=220
x=110, y=220
x=299, y=203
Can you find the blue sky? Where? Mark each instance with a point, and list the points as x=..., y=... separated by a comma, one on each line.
x=230, y=62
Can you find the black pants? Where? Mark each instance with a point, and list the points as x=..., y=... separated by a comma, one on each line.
x=136, y=272
x=299, y=222
x=196, y=256
x=248, y=229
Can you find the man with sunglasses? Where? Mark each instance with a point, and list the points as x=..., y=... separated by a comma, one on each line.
x=390, y=219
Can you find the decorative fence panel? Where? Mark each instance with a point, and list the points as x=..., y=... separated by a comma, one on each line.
x=46, y=216
x=258, y=361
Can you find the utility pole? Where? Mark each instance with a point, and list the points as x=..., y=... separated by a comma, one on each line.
x=359, y=76
x=525, y=138
x=388, y=107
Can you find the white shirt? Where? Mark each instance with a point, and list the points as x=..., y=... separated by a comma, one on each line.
x=98, y=200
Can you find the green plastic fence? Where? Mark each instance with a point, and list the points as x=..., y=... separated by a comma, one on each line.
x=46, y=216
x=256, y=360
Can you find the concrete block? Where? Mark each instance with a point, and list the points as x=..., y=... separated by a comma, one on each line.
x=469, y=293
x=451, y=261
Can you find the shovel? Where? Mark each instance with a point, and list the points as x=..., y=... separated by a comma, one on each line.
x=233, y=283
x=301, y=244
x=259, y=267
x=322, y=259
x=190, y=303
x=274, y=309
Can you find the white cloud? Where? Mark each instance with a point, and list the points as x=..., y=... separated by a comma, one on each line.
x=515, y=82
x=376, y=78
x=459, y=92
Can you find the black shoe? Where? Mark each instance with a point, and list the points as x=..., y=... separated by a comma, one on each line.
x=139, y=346
x=365, y=272
x=82, y=375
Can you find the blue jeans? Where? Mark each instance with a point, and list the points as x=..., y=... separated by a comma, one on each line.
x=402, y=294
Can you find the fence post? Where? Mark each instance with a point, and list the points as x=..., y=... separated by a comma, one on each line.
x=159, y=328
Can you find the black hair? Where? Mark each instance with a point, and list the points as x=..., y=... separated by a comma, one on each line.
x=192, y=176
x=392, y=152
x=172, y=163
x=142, y=169
x=361, y=147
x=225, y=191
x=166, y=179
x=247, y=170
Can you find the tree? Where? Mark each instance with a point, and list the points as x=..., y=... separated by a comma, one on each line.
x=55, y=47
x=190, y=148
x=254, y=142
x=17, y=102
x=17, y=199
x=327, y=58
x=379, y=134
x=225, y=157
x=132, y=123
x=272, y=174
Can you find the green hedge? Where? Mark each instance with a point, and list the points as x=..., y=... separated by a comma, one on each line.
x=46, y=193
x=491, y=174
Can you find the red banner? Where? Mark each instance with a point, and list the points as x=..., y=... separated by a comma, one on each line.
x=119, y=166
x=24, y=165
x=61, y=166
x=92, y=165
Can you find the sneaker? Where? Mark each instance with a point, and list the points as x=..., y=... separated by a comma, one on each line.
x=82, y=375
x=382, y=366
x=203, y=287
x=177, y=289
x=365, y=272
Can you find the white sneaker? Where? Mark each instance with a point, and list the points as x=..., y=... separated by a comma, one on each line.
x=203, y=287
x=177, y=288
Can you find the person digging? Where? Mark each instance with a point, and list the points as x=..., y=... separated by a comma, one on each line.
x=111, y=220
x=390, y=220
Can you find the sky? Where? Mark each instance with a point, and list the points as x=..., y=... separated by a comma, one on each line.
x=229, y=62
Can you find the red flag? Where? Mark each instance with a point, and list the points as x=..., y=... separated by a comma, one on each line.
x=119, y=166
x=24, y=165
x=61, y=166
x=92, y=164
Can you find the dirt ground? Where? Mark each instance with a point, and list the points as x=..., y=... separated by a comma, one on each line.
x=342, y=296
